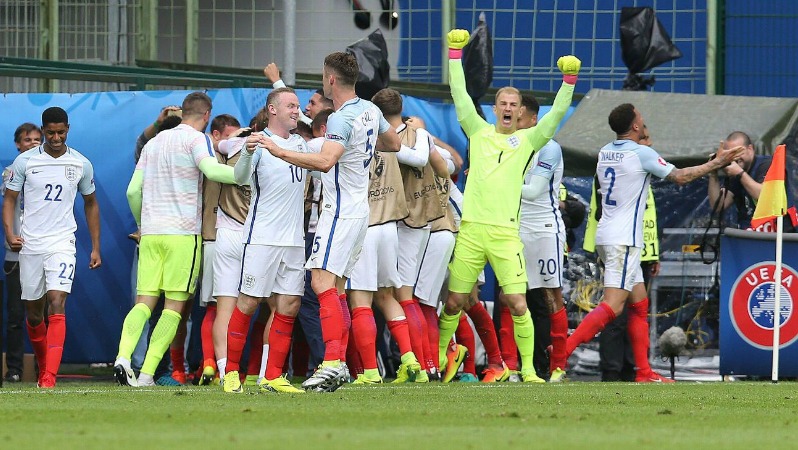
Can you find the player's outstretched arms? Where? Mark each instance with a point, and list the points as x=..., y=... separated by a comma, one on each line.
x=724, y=157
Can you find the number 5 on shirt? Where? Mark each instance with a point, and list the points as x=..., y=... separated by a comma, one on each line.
x=369, y=148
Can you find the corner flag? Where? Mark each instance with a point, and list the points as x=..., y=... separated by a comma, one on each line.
x=773, y=197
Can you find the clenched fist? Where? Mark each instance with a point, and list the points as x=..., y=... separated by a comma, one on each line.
x=569, y=65
x=457, y=39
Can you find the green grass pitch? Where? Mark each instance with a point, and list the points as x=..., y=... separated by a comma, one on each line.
x=572, y=415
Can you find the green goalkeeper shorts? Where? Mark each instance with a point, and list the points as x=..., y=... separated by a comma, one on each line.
x=169, y=264
x=479, y=243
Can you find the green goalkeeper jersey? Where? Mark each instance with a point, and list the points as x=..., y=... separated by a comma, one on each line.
x=498, y=162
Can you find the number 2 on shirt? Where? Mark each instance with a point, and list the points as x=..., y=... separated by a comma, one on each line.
x=610, y=173
x=369, y=148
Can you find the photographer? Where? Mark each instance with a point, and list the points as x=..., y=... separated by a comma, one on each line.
x=743, y=180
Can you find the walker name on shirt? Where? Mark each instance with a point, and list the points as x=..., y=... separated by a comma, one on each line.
x=616, y=157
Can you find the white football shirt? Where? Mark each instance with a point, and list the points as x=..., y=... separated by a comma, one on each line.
x=456, y=203
x=172, y=187
x=50, y=186
x=624, y=171
x=542, y=214
x=277, y=209
x=355, y=125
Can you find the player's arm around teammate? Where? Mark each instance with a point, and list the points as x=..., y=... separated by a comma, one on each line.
x=273, y=244
x=169, y=215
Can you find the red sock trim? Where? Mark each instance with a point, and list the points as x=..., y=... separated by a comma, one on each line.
x=433, y=333
x=237, y=330
x=56, y=334
x=638, y=331
x=331, y=323
x=559, y=336
x=206, y=334
x=639, y=309
x=364, y=332
x=347, y=324
x=465, y=336
x=509, y=349
x=594, y=322
x=487, y=332
x=416, y=331
x=401, y=334
x=279, y=344
x=425, y=335
x=38, y=340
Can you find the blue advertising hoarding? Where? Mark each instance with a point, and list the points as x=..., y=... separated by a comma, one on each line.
x=747, y=304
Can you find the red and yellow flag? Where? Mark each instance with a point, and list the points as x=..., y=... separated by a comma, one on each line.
x=773, y=196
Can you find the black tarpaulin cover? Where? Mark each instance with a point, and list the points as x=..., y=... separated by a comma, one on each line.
x=372, y=57
x=644, y=42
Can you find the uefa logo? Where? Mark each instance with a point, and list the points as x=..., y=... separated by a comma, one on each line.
x=752, y=305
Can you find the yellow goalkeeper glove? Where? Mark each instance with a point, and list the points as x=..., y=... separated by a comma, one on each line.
x=456, y=40
x=569, y=66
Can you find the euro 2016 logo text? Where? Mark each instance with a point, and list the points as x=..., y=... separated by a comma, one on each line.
x=752, y=305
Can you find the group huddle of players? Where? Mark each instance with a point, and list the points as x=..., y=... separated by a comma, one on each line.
x=390, y=228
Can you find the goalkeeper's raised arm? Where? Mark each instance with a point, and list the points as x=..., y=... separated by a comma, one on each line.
x=466, y=111
x=539, y=135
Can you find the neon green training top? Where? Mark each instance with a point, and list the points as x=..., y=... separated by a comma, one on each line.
x=498, y=162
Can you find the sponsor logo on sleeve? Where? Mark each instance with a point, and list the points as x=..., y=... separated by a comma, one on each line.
x=333, y=137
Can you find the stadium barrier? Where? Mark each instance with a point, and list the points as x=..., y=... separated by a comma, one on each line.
x=747, y=282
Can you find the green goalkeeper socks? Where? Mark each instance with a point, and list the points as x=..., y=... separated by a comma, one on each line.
x=525, y=338
x=162, y=336
x=448, y=325
x=131, y=329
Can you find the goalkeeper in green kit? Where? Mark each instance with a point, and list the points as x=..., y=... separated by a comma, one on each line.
x=499, y=156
